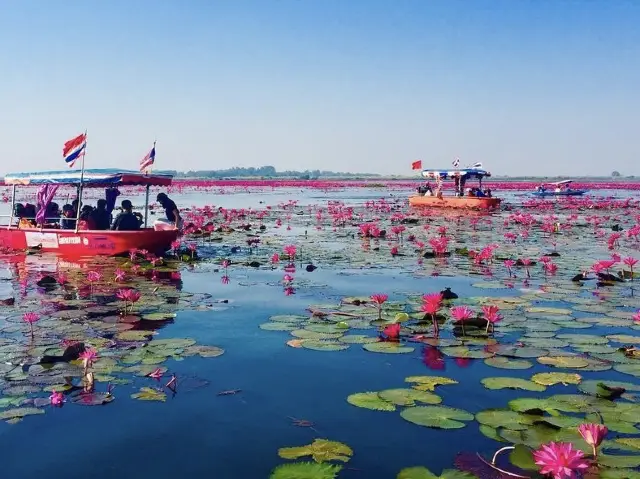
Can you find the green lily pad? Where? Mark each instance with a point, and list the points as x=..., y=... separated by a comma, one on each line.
x=321, y=450
x=551, y=379
x=583, y=338
x=358, y=339
x=158, y=316
x=619, y=462
x=306, y=470
x=633, y=442
x=505, y=418
x=323, y=345
x=567, y=362
x=522, y=456
x=276, y=326
x=149, y=394
x=429, y=383
x=503, y=362
x=512, y=383
x=370, y=400
x=408, y=397
x=420, y=472
x=20, y=412
x=603, y=388
x=288, y=318
x=387, y=347
x=441, y=417
x=624, y=338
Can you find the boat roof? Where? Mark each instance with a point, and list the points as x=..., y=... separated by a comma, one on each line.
x=91, y=178
x=563, y=182
x=468, y=173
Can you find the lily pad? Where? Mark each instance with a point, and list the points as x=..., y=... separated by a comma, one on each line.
x=512, y=383
x=321, y=450
x=150, y=394
x=370, y=400
x=505, y=418
x=568, y=362
x=387, y=347
x=424, y=473
x=551, y=379
x=306, y=470
x=503, y=362
x=20, y=412
x=440, y=417
x=429, y=383
x=323, y=345
x=408, y=397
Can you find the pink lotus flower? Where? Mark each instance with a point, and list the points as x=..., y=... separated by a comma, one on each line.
x=462, y=314
x=157, y=374
x=394, y=251
x=31, y=318
x=509, y=264
x=636, y=317
x=275, y=258
x=560, y=460
x=431, y=304
x=287, y=278
x=120, y=274
x=630, y=262
x=550, y=267
x=379, y=300
x=225, y=279
x=225, y=263
x=88, y=356
x=56, y=398
x=290, y=250
x=492, y=315
x=593, y=434
x=288, y=291
x=175, y=246
x=392, y=331
x=93, y=276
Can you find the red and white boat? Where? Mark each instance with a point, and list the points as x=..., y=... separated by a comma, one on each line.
x=74, y=242
x=430, y=197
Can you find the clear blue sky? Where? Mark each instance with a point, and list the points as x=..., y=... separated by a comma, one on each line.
x=527, y=87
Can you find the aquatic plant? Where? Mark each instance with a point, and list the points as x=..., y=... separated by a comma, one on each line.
x=56, y=398
x=461, y=314
x=630, y=262
x=431, y=304
x=593, y=434
x=560, y=460
x=30, y=318
x=491, y=315
x=378, y=300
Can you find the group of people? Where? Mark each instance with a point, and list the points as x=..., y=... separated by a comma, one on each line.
x=427, y=190
x=96, y=218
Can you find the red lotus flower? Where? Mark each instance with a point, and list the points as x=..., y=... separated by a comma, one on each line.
x=492, y=315
x=636, y=317
x=593, y=434
x=461, y=314
x=31, y=318
x=93, y=276
x=56, y=398
x=379, y=299
x=560, y=460
x=392, y=331
x=275, y=258
x=120, y=274
x=225, y=279
x=290, y=251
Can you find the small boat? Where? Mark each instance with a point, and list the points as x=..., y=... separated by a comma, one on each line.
x=78, y=243
x=559, y=188
x=426, y=197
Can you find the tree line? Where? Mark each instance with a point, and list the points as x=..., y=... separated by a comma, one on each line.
x=263, y=172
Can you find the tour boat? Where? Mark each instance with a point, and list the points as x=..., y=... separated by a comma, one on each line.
x=75, y=242
x=459, y=200
x=560, y=188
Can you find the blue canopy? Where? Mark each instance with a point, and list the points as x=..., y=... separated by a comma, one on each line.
x=97, y=178
x=467, y=173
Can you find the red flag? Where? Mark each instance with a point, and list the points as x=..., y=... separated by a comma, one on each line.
x=416, y=165
x=72, y=144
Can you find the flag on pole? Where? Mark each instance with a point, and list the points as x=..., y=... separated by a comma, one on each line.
x=456, y=162
x=149, y=158
x=73, y=148
x=416, y=165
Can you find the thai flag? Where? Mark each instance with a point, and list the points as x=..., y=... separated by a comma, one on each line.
x=456, y=162
x=73, y=148
x=149, y=158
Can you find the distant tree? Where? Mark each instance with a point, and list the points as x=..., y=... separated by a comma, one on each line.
x=615, y=174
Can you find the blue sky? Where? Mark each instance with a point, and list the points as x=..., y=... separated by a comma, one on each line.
x=526, y=87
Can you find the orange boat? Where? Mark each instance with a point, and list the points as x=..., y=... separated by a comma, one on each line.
x=472, y=198
x=70, y=242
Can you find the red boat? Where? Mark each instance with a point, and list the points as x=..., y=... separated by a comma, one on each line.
x=76, y=242
x=472, y=198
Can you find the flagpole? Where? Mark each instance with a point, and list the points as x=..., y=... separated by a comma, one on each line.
x=84, y=153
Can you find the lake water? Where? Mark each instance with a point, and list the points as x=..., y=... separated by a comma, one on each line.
x=197, y=432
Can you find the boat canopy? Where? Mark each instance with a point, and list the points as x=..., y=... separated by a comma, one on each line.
x=467, y=173
x=563, y=182
x=91, y=178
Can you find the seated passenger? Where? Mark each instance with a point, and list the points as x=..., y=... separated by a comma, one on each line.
x=68, y=221
x=126, y=221
x=100, y=216
x=86, y=221
x=480, y=193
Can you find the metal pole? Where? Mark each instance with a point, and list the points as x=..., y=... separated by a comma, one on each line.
x=146, y=207
x=13, y=206
x=84, y=153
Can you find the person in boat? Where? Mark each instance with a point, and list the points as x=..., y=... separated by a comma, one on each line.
x=100, y=216
x=20, y=212
x=487, y=193
x=126, y=221
x=68, y=221
x=479, y=193
x=171, y=210
x=428, y=191
x=86, y=220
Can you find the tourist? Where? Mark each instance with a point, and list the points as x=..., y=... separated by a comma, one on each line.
x=126, y=221
x=171, y=211
x=86, y=220
x=100, y=216
x=68, y=221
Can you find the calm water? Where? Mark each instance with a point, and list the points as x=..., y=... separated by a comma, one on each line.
x=198, y=433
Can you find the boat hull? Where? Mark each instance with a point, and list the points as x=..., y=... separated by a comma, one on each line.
x=544, y=194
x=87, y=243
x=457, y=202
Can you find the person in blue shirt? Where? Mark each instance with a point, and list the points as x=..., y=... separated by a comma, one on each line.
x=126, y=221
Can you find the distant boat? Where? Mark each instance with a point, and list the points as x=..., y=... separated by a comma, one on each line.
x=426, y=197
x=559, y=188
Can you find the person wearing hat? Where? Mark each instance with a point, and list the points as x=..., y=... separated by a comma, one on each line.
x=171, y=210
x=126, y=221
